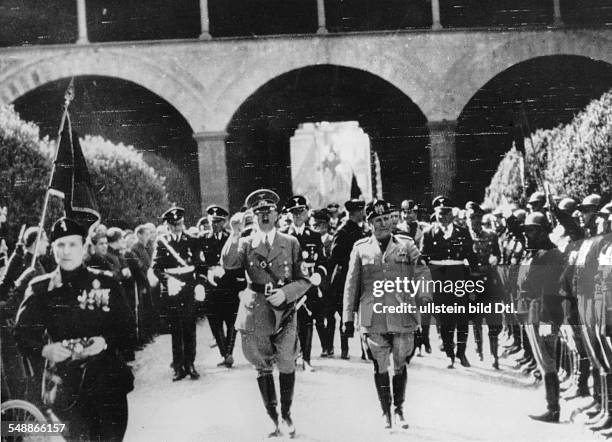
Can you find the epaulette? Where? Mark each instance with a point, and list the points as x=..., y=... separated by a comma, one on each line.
x=100, y=272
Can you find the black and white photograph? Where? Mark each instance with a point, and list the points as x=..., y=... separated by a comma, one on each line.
x=320, y=220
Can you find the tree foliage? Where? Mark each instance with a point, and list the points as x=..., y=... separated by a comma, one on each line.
x=128, y=191
x=573, y=159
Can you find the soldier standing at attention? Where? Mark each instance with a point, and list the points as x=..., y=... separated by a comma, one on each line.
x=539, y=283
x=88, y=323
x=266, y=315
x=175, y=253
x=219, y=300
x=342, y=244
x=383, y=257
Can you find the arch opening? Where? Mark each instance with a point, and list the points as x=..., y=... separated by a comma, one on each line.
x=540, y=93
x=258, y=151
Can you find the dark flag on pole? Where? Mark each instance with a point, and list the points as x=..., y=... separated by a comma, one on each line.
x=71, y=180
x=355, y=189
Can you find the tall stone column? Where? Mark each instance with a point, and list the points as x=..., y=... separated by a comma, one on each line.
x=213, y=168
x=322, y=29
x=443, y=156
x=82, y=22
x=435, y=15
x=204, y=21
x=557, y=19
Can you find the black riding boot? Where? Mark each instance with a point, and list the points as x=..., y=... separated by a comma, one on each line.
x=268, y=394
x=399, y=393
x=493, y=344
x=230, y=342
x=287, y=384
x=551, y=383
x=384, y=396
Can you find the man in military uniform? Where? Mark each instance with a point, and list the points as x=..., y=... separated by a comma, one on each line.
x=383, y=257
x=266, y=315
x=488, y=255
x=85, y=316
x=173, y=263
x=538, y=283
x=445, y=248
x=312, y=309
x=342, y=244
x=410, y=222
x=222, y=299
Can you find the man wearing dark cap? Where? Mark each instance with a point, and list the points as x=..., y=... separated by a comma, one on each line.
x=13, y=285
x=388, y=333
x=266, y=315
x=342, y=244
x=410, y=223
x=539, y=284
x=488, y=255
x=77, y=319
x=334, y=217
x=312, y=310
x=446, y=247
x=221, y=300
x=176, y=254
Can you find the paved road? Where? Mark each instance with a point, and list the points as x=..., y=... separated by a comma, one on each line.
x=336, y=403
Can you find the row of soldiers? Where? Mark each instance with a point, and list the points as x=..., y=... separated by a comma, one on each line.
x=312, y=274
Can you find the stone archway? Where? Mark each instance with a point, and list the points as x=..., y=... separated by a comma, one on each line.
x=259, y=132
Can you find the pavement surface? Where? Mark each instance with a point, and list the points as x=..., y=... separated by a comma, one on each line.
x=338, y=401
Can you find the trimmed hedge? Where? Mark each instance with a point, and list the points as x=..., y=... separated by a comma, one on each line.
x=128, y=191
x=574, y=159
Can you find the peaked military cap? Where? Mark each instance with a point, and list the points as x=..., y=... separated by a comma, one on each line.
x=376, y=208
x=354, y=205
x=174, y=215
x=296, y=202
x=262, y=199
x=412, y=205
x=442, y=202
x=321, y=215
x=66, y=227
x=393, y=208
x=217, y=212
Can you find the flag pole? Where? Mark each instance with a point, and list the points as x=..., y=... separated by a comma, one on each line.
x=68, y=97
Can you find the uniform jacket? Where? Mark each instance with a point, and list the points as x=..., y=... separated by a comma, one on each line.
x=187, y=248
x=539, y=279
x=210, y=248
x=414, y=230
x=342, y=244
x=367, y=265
x=249, y=254
x=80, y=304
x=458, y=247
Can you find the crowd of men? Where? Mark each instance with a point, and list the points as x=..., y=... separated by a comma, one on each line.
x=278, y=272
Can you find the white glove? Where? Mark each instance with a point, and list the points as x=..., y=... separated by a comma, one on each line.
x=200, y=293
x=174, y=286
x=153, y=280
